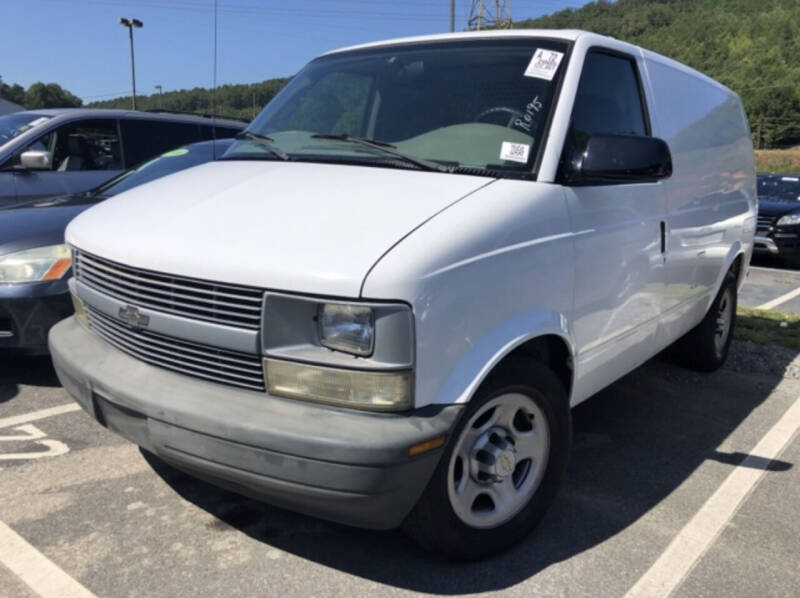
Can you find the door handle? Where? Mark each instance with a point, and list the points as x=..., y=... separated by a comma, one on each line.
x=663, y=236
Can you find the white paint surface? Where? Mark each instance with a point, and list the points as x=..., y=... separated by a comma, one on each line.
x=689, y=546
x=779, y=300
x=43, y=576
x=16, y=420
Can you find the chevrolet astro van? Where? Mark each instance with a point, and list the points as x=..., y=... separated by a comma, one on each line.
x=379, y=307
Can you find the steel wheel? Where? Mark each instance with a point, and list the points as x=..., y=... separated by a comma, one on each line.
x=723, y=322
x=498, y=461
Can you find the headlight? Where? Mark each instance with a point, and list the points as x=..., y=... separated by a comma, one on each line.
x=348, y=328
x=34, y=265
x=789, y=220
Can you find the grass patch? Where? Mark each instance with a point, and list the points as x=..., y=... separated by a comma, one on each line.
x=783, y=161
x=767, y=327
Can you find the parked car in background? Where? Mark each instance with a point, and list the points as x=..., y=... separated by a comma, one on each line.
x=778, y=231
x=35, y=263
x=61, y=151
x=379, y=306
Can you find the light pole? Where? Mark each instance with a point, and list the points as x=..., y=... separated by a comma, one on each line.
x=130, y=24
x=160, y=96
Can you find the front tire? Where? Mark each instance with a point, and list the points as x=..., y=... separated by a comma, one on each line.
x=502, y=467
x=705, y=347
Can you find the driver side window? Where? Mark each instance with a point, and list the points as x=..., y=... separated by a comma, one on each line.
x=609, y=100
x=83, y=145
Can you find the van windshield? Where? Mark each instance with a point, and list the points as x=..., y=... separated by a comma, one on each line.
x=478, y=106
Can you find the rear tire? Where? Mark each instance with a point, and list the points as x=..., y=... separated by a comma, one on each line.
x=706, y=346
x=502, y=466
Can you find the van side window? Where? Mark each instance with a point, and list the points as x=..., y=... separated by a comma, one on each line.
x=609, y=100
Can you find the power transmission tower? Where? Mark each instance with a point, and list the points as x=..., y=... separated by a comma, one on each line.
x=489, y=14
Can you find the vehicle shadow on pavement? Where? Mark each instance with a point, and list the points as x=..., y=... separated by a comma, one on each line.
x=634, y=444
x=17, y=369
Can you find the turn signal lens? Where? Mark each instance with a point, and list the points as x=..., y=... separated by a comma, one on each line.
x=379, y=391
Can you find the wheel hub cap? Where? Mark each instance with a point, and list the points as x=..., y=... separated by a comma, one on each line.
x=493, y=457
x=498, y=460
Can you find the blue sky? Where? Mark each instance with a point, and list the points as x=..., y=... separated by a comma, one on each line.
x=79, y=45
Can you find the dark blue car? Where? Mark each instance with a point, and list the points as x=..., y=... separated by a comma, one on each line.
x=34, y=262
x=778, y=232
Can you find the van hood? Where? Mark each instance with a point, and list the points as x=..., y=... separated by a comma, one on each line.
x=291, y=226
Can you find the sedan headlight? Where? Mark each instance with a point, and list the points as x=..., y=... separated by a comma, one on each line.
x=35, y=265
x=347, y=328
x=789, y=220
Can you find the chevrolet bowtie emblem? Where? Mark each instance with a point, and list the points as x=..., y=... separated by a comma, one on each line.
x=133, y=317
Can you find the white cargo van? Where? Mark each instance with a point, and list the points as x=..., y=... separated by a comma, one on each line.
x=379, y=307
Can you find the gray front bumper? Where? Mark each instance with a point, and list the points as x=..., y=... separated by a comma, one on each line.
x=339, y=464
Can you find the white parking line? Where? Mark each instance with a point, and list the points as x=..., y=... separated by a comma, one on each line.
x=686, y=549
x=41, y=574
x=781, y=270
x=16, y=420
x=778, y=300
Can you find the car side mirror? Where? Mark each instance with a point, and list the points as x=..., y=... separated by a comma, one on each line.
x=609, y=159
x=36, y=160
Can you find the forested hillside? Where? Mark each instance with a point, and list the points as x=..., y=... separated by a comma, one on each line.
x=753, y=46
x=240, y=101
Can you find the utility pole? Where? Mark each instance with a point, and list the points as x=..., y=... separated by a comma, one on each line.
x=160, y=96
x=452, y=16
x=482, y=15
x=130, y=24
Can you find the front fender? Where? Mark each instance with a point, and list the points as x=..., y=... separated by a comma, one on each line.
x=494, y=346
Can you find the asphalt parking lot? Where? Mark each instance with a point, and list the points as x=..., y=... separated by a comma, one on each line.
x=679, y=482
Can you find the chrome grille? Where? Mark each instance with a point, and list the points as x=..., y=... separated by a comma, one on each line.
x=196, y=299
x=218, y=365
x=764, y=222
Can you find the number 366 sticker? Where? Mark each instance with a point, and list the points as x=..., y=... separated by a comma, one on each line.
x=514, y=152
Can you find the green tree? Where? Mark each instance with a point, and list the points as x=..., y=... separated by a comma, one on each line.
x=50, y=95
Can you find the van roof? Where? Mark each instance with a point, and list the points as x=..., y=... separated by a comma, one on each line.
x=565, y=34
x=569, y=35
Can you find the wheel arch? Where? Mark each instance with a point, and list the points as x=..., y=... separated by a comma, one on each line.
x=543, y=337
x=735, y=261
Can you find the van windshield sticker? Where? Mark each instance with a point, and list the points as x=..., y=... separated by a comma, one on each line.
x=515, y=152
x=544, y=64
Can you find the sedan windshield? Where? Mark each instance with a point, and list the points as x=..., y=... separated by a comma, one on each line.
x=786, y=188
x=479, y=106
x=167, y=163
x=12, y=125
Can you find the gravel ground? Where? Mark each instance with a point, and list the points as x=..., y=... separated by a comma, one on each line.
x=764, y=359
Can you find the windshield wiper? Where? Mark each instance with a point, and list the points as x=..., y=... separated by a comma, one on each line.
x=386, y=148
x=263, y=141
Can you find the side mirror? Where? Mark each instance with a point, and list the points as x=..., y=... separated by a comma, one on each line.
x=609, y=159
x=36, y=160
